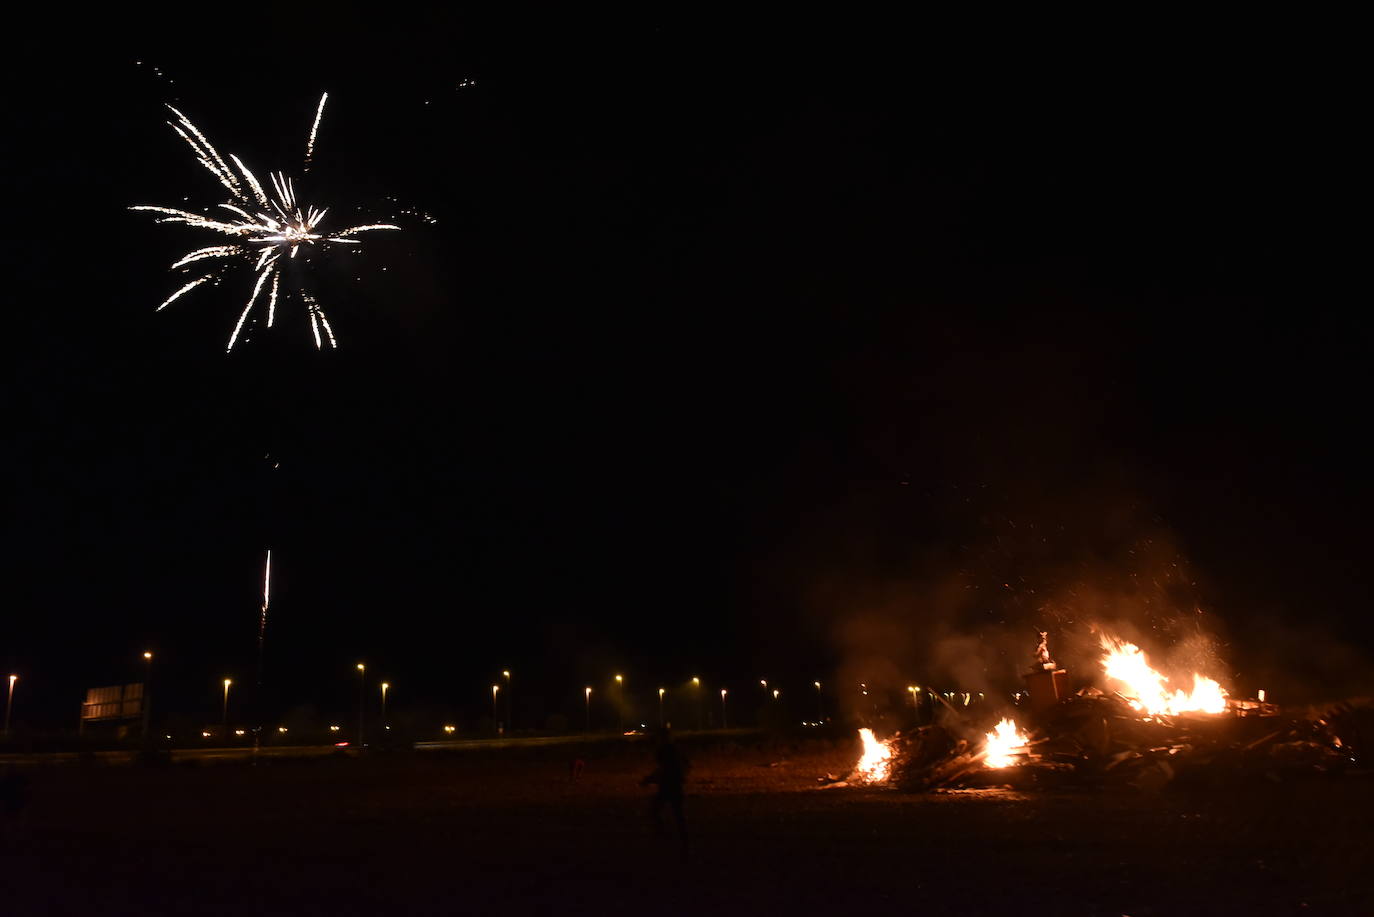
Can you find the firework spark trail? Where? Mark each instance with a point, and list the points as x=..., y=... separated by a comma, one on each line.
x=186, y=289
x=262, y=620
x=310, y=144
x=267, y=227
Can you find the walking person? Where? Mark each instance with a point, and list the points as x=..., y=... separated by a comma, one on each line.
x=670, y=776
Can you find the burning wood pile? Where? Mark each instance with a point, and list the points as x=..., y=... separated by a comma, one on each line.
x=1141, y=731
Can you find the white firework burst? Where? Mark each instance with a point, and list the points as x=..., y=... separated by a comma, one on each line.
x=265, y=227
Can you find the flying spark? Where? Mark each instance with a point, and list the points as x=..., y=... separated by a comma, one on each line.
x=265, y=227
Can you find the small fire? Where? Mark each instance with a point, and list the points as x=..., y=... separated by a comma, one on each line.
x=1005, y=742
x=1144, y=688
x=875, y=760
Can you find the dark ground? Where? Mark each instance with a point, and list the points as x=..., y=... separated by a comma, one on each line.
x=509, y=832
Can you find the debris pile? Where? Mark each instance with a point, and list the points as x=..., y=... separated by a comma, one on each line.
x=1098, y=739
x=1094, y=737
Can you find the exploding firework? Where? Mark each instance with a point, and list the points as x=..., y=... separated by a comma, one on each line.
x=265, y=229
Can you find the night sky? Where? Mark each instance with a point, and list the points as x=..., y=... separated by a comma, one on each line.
x=722, y=339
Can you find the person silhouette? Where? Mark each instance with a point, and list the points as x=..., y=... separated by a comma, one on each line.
x=670, y=776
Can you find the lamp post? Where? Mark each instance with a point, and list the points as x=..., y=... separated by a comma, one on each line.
x=224, y=713
x=820, y=706
x=9, y=703
x=362, y=700
x=587, y=693
x=620, y=701
x=147, y=692
x=510, y=701
x=385, y=686
x=724, y=720
x=495, y=717
x=915, y=691
x=696, y=693
x=660, y=708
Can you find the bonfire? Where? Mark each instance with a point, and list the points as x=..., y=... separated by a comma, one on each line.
x=1146, y=729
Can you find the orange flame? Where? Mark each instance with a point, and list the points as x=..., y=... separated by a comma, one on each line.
x=1144, y=688
x=875, y=760
x=1004, y=744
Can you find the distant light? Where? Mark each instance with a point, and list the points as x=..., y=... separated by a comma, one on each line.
x=505, y=673
x=1261, y=693
x=619, y=678
x=361, y=667
x=147, y=655
x=333, y=728
x=281, y=729
x=450, y=729
x=340, y=744
x=696, y=682
x=204, y=735
x=238, y=732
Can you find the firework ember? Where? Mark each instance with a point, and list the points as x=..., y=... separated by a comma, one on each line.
x=264, y=227
x=1145, y=688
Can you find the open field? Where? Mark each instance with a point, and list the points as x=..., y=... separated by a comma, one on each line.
x=508, y=831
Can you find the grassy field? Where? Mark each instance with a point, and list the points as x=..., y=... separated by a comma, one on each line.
x=508, y=831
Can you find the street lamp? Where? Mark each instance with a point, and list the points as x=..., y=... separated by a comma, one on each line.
x=510, y=700
x=495, y=718
x=696, y=691
x=147, y=691
x=820, y=706
x=587, y=693
x=914, y=690
x=385, y=686
x=224, y=714
x=724, y=720
x=9, y=702
x=660, y=708
x=362, y=700
x=620, y=701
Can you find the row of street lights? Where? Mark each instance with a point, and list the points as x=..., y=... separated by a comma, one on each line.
x=776, y=695
x=915, y=691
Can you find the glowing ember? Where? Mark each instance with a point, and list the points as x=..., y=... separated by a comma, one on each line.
x=875, y=760
x=1145, y=689
x=1005, y=742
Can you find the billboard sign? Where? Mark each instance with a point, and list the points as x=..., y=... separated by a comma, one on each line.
x=117, y=702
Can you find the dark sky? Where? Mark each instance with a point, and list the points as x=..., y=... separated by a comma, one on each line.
x=713, y=321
